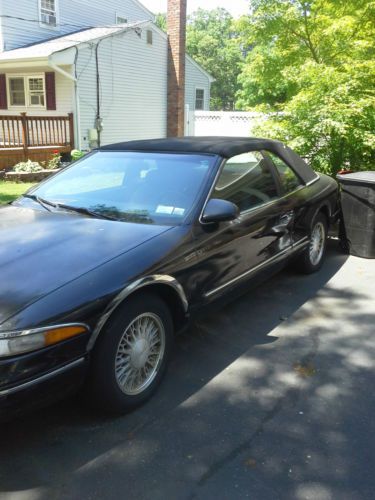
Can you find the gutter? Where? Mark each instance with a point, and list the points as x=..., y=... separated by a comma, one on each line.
x=77, y=114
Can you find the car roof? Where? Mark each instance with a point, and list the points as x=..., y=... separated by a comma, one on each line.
x=226, y=147
x=223, y=146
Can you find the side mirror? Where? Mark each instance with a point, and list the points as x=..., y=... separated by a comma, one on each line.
x=218, y=210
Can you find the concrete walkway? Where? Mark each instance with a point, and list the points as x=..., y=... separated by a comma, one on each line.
x=271, y=397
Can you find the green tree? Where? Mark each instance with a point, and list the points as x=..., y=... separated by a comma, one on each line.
x=212, y=41
x=161, y=21
x=313, y=62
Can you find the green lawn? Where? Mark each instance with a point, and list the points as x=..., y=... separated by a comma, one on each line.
x=9, y=191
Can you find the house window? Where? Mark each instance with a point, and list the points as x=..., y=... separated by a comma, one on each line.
x=17, y=92
x=149, y=37
x=26, y=91
x=121, y=20
x=48, y=12
x=199, y=99
x=36, y=91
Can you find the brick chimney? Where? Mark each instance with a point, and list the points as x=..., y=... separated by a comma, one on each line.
x=176, y=27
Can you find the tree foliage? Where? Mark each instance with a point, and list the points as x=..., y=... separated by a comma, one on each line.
x=313, y=63
x=161, y=21
x=213, y=42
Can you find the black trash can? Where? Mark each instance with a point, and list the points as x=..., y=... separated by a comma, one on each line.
x=358, y=209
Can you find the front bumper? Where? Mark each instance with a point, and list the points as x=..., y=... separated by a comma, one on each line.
x=36, y=379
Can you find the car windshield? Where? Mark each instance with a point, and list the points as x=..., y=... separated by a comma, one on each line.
x=159, y=188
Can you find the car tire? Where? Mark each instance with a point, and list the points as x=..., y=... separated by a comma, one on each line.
x=131, y=355
x=312, y=258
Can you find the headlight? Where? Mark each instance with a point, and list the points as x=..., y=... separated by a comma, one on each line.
x=12, y=343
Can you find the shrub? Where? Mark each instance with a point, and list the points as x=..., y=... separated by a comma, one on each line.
x=76, y=154
x=54, y=162
x=27, y=166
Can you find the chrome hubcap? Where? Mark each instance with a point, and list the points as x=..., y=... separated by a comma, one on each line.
x=140, y=353
x=317, y=241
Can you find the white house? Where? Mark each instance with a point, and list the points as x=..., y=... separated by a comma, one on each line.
x=78, y=73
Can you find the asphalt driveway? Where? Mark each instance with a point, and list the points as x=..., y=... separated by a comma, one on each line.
x=271, y=397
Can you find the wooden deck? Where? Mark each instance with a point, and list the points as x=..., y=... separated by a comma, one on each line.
x=24, y=137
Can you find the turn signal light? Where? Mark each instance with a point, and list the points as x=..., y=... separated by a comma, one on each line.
x=59, y=334
x=12, y=343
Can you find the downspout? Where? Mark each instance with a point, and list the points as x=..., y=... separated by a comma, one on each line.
x=76, y=104
x=77, y=114
x=98, y=119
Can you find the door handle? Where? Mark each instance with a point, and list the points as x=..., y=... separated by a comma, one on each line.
x=279, y=226
x=286, y=218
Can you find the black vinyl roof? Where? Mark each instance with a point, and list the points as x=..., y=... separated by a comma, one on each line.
x=226, y=147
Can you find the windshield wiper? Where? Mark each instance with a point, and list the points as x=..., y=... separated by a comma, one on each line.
x=41, y=201
x=82, y=210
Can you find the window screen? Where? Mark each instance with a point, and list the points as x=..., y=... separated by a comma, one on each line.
x=36, y=91
x=48, y=12
x=17, y=91
x=121, y=20
x=199, y=99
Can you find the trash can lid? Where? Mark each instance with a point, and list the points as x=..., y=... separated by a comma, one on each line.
x=357, y=178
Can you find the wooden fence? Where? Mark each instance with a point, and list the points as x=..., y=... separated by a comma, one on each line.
x=35, y=137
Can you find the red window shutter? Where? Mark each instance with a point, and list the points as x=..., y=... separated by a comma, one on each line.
x=50, y=91
x=3, y=92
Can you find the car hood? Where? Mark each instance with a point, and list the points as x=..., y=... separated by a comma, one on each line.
x=42, y=251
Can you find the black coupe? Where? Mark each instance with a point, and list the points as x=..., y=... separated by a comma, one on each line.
x=104, y=262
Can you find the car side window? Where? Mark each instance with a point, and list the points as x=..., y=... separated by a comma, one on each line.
x=288, y=178
x=247, y=181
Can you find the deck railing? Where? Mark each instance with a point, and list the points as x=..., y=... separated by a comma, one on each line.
x=23, y=131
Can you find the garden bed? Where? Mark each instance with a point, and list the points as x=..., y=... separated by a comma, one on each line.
x=29, y=176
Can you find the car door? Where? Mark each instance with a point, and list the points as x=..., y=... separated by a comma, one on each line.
x=293, y=196
x=227, y=253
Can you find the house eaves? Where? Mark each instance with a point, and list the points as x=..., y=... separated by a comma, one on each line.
x=197, y=65
x=40, y=52
x=145, y=9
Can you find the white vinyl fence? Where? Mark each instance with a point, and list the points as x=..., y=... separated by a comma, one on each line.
x=222, y=123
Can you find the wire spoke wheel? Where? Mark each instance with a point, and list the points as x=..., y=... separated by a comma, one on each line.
x=140, y=353
x=317, y=242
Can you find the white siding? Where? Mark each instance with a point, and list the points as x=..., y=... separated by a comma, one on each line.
x=133, y=87
x=64, y=94
x=1, y=27
x=73, y=15
x=133, y=83
x=195, y=78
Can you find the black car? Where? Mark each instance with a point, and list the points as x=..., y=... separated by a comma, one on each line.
x=104, y=262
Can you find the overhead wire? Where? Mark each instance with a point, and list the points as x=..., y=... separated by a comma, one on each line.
x=18, y=18
x=57, y=39
x=79, y=26
x=50, y=40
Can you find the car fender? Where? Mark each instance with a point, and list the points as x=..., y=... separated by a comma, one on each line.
x=325, y=203
x=144, y=282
